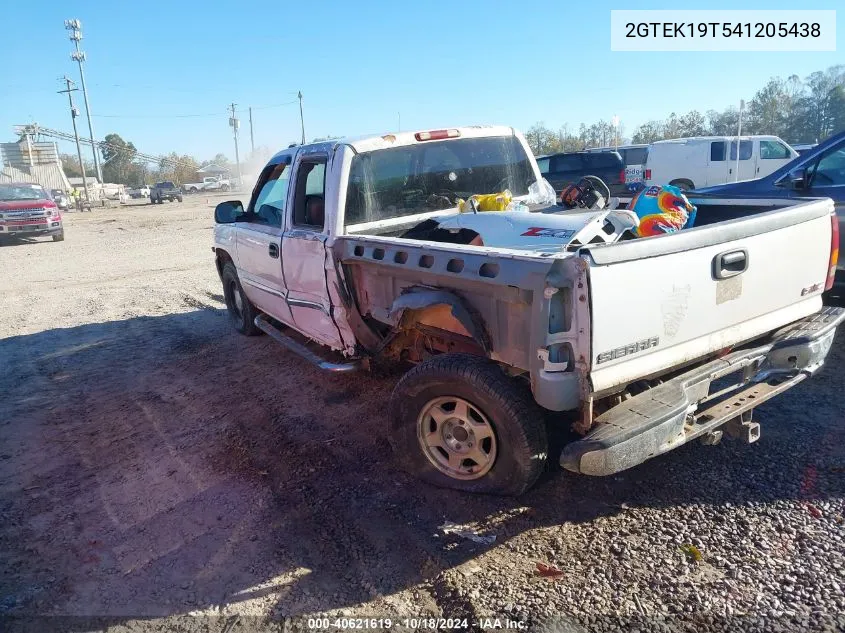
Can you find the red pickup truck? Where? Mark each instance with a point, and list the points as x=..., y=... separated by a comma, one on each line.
x=28, y=210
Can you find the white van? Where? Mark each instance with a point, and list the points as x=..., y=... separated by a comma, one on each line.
x=702, y=161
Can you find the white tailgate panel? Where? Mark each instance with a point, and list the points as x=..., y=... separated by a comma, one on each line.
x=675, y=298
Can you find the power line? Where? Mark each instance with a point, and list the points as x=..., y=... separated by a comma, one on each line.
x=35, y=129
x=156, y=116
x=277, y=105
x=185, y=116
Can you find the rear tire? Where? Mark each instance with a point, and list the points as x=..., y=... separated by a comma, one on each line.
x=241, y=311
x=683, y=184
x=506, y=449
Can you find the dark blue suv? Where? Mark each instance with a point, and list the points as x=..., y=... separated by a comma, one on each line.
x=568, y=168
x=818, y=173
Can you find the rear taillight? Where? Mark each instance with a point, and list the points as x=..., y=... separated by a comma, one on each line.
x=622, y=176
x=834, y=250
x=648, y=174
x=436, y=135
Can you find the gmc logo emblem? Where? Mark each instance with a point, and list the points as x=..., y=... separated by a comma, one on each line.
x=627, y=350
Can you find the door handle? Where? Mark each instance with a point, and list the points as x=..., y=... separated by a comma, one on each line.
x=730, y=264
x=274, y=251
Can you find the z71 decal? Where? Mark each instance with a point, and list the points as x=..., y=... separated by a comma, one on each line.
x=627, y=350
x=539, y=231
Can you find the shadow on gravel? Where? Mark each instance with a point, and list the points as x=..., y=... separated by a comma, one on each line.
x=159, y=465
x=6, y=242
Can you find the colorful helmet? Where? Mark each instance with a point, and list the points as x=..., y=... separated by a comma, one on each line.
x=662, y=210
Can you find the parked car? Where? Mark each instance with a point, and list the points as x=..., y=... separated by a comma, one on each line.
x=209, y=183
x=568, y=168
x=139, y=192
x=166, y=190
x=712, y=160
x=634, y=157
x=817, y=173
x=358, y=245
x=28, y=210
x=61, y=199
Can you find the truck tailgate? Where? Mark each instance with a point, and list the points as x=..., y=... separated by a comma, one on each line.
x=659, y=302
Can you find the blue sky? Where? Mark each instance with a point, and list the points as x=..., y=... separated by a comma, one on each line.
x=358, y=65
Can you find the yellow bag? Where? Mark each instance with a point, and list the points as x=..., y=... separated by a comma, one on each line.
x=488, y=202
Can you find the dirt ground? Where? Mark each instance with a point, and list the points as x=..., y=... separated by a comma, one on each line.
x=153, y=463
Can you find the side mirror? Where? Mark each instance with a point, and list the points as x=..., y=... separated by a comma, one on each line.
x=228, y=212
x=797, y=178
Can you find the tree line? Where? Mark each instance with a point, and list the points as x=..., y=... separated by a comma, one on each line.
x=796, y=110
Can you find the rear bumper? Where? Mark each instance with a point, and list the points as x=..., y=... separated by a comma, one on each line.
x=683, y=408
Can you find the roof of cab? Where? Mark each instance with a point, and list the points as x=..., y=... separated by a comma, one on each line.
x=385, y=141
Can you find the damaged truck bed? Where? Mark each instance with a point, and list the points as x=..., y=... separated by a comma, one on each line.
x=357, y=245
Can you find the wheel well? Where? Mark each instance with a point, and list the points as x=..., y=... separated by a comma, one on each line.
x=683, y=181
x=222, y=258
x=442, y=311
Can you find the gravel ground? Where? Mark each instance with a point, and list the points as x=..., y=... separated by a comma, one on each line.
x=154, y=464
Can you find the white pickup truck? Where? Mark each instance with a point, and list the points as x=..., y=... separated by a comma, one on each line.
x=356, y=247
x=209, y=183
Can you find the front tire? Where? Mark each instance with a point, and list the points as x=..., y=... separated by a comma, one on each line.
x=60, y=237
x=241, y=311
x=457, y=421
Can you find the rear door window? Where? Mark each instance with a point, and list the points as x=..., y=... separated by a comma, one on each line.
x=603, y=160
x=310, y=195
x=543, y=164
x=745, y=150
x=635, y=155
x=566, y=162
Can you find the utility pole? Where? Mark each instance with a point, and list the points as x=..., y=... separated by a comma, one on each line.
x=251, y=137
x=235, y=124
x=616, y=132
x=75, y=28
x=738, y=134
x=73, y=114
x=301, y=118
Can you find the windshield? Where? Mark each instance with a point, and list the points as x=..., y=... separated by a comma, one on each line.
x=401, y=181
x=22, y=192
